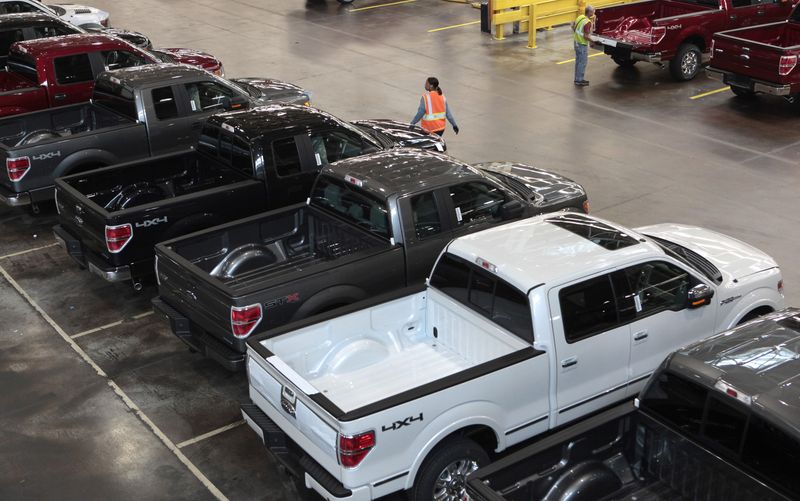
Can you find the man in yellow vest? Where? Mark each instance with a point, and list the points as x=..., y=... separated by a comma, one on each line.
x=580, y=34
x=433, y=109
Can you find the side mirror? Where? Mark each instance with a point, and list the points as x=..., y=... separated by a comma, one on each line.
x=700, y=295
x=511, y=209
x=235, y=103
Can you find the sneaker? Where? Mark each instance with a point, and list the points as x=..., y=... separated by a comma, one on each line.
x=582, y=83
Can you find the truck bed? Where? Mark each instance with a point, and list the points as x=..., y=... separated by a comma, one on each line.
x=615, y=22
x=365, y=350
x=756, y=52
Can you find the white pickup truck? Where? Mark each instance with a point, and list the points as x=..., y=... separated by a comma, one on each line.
x=522, y=328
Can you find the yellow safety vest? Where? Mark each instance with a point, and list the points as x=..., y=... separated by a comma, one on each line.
x=580, y=23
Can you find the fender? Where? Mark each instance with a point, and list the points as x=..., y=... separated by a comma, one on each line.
x=450, y=422
x=191, y=224
x=336, y=295
x=93, y=156
x=763, y=296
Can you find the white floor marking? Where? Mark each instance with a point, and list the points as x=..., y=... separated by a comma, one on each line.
x=29, y=250
x=210, y=434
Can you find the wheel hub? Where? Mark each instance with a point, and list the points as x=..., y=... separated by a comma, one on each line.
x=452, y=482
x=689, y=63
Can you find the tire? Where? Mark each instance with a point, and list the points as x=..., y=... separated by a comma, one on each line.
x=623, y=62
x=743, y=93
x=458, y=456
x=686, y=64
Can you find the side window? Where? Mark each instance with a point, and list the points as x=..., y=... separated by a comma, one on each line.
x=657, y=286
x=724, y=424
x=475, y=202
x=9, y=37
x=287, y=158
x=16, y=7
x=425, y=215
x=484, y=293
x=207, y=96
x=773, y=454
x=332, y=146
x=164, y=103
x=588, y=308
x=240, y=156
x=678, y=401
x=51, y=31
x=742, y=3
x=73, y=69
x=116, y=59
x=208, y=141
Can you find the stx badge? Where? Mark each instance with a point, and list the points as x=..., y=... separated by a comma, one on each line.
x=399, y=424
x=280, y=301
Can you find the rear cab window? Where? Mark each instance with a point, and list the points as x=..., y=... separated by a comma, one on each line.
x=353, y=204
x=111, y=94
x=23, y=64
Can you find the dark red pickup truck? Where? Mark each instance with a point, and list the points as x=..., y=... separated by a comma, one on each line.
x=761, y=59
x=676, y=31
x=57, y=71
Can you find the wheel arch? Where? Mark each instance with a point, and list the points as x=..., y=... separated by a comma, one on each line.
x=73, y=162
x=331, y=297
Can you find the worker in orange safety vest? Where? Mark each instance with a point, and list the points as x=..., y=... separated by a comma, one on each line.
x=433, y=109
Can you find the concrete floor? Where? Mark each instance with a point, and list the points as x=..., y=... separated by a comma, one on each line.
x=98, y=401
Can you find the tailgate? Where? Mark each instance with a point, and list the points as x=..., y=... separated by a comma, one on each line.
x=81, y=217
x=735, y=53
x=286, y=398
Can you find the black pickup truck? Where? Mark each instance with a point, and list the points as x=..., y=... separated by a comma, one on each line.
x=718, y=421
x=372, y=224
x=134, y=113
x=245, y=162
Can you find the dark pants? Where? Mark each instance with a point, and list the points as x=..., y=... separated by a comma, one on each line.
x=439, y=132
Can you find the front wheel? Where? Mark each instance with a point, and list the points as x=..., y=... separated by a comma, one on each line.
x=686, y=63
x=443, y=475
x=623, y=62
x=743, y=93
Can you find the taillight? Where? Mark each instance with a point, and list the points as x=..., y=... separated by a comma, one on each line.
x=353, y=450
x=17, y=167
x=586, y=206
x=786, y=65
x=244, y=319
x=117, y=237
x=657, y=33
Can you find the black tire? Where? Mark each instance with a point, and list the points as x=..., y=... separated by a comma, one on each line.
x=743, y=93
x=686, y=63
x=459, y=455
x=623, y=62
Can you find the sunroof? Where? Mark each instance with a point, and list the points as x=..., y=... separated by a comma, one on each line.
x=599, y=233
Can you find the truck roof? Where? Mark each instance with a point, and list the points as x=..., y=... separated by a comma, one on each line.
x=553, y=247
x=71, y=44
x=286, y=118
x=155, y=74
x=760, y=359
x=30, y=19
x=402, y=170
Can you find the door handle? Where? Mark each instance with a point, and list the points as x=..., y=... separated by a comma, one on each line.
x=759, y=12
x=569, y=362
x=733, y=18
x=640, y=335
x=59, y=97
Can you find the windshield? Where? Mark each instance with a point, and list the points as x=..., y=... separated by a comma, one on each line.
x=60, y=11
x=351, y=203
x=162, y=56
x=690, y=258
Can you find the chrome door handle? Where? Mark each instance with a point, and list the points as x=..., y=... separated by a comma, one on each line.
x=569, y=362
x=640, y=335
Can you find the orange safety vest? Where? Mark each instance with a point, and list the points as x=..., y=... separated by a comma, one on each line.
x=435, y=106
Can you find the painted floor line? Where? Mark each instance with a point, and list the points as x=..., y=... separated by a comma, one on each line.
x=210, y=434
x=142, y=315
x=29, y=250
x=715, y=91
x=97, y=329
x=128, y=402
x=573, y=59
x=382, y=5
x=454, y=26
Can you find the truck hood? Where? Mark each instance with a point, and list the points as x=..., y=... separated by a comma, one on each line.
x=80, y=14
x=392, y=133
x=540, y=187
x=193, y=58
x=266, y=91
x=731, y=256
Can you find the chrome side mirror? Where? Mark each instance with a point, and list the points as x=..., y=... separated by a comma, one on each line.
x=700, y=295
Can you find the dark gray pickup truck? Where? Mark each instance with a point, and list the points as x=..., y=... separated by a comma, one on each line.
x=718, y=421
x=134, y=113
x=245, y=162
x=373, y=224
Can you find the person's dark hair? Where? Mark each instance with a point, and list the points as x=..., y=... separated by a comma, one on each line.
x=434, y=83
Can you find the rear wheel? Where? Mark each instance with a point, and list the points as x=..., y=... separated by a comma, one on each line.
x=443, y=474
x=623, y=62
x=743, y=93
x=686, y=63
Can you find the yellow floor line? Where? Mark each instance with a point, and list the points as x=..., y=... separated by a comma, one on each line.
x=382, y=5
x=454, y=26
x=573, y=59
x=716, y=91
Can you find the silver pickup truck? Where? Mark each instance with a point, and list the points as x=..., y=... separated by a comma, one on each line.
x=521, y=328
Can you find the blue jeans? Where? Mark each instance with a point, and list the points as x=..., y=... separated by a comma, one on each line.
x=581, y=58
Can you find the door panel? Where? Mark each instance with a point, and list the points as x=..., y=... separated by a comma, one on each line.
x=74, y=80
x=170, y=128
x=427, y=229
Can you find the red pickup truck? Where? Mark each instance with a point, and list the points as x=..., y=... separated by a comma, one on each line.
x=61, y=70
x=761, y=59
x=678, y=31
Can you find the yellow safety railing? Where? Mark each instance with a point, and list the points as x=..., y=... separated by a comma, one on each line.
x=534, y=14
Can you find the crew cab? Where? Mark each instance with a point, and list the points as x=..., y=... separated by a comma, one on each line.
x=718, y=421
x=245, y=162
x=135, y=113
x=761, y=59
x=676, y=31
x=521, y=329
x=372, y=224
x=61, y=70
x=71, y=13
